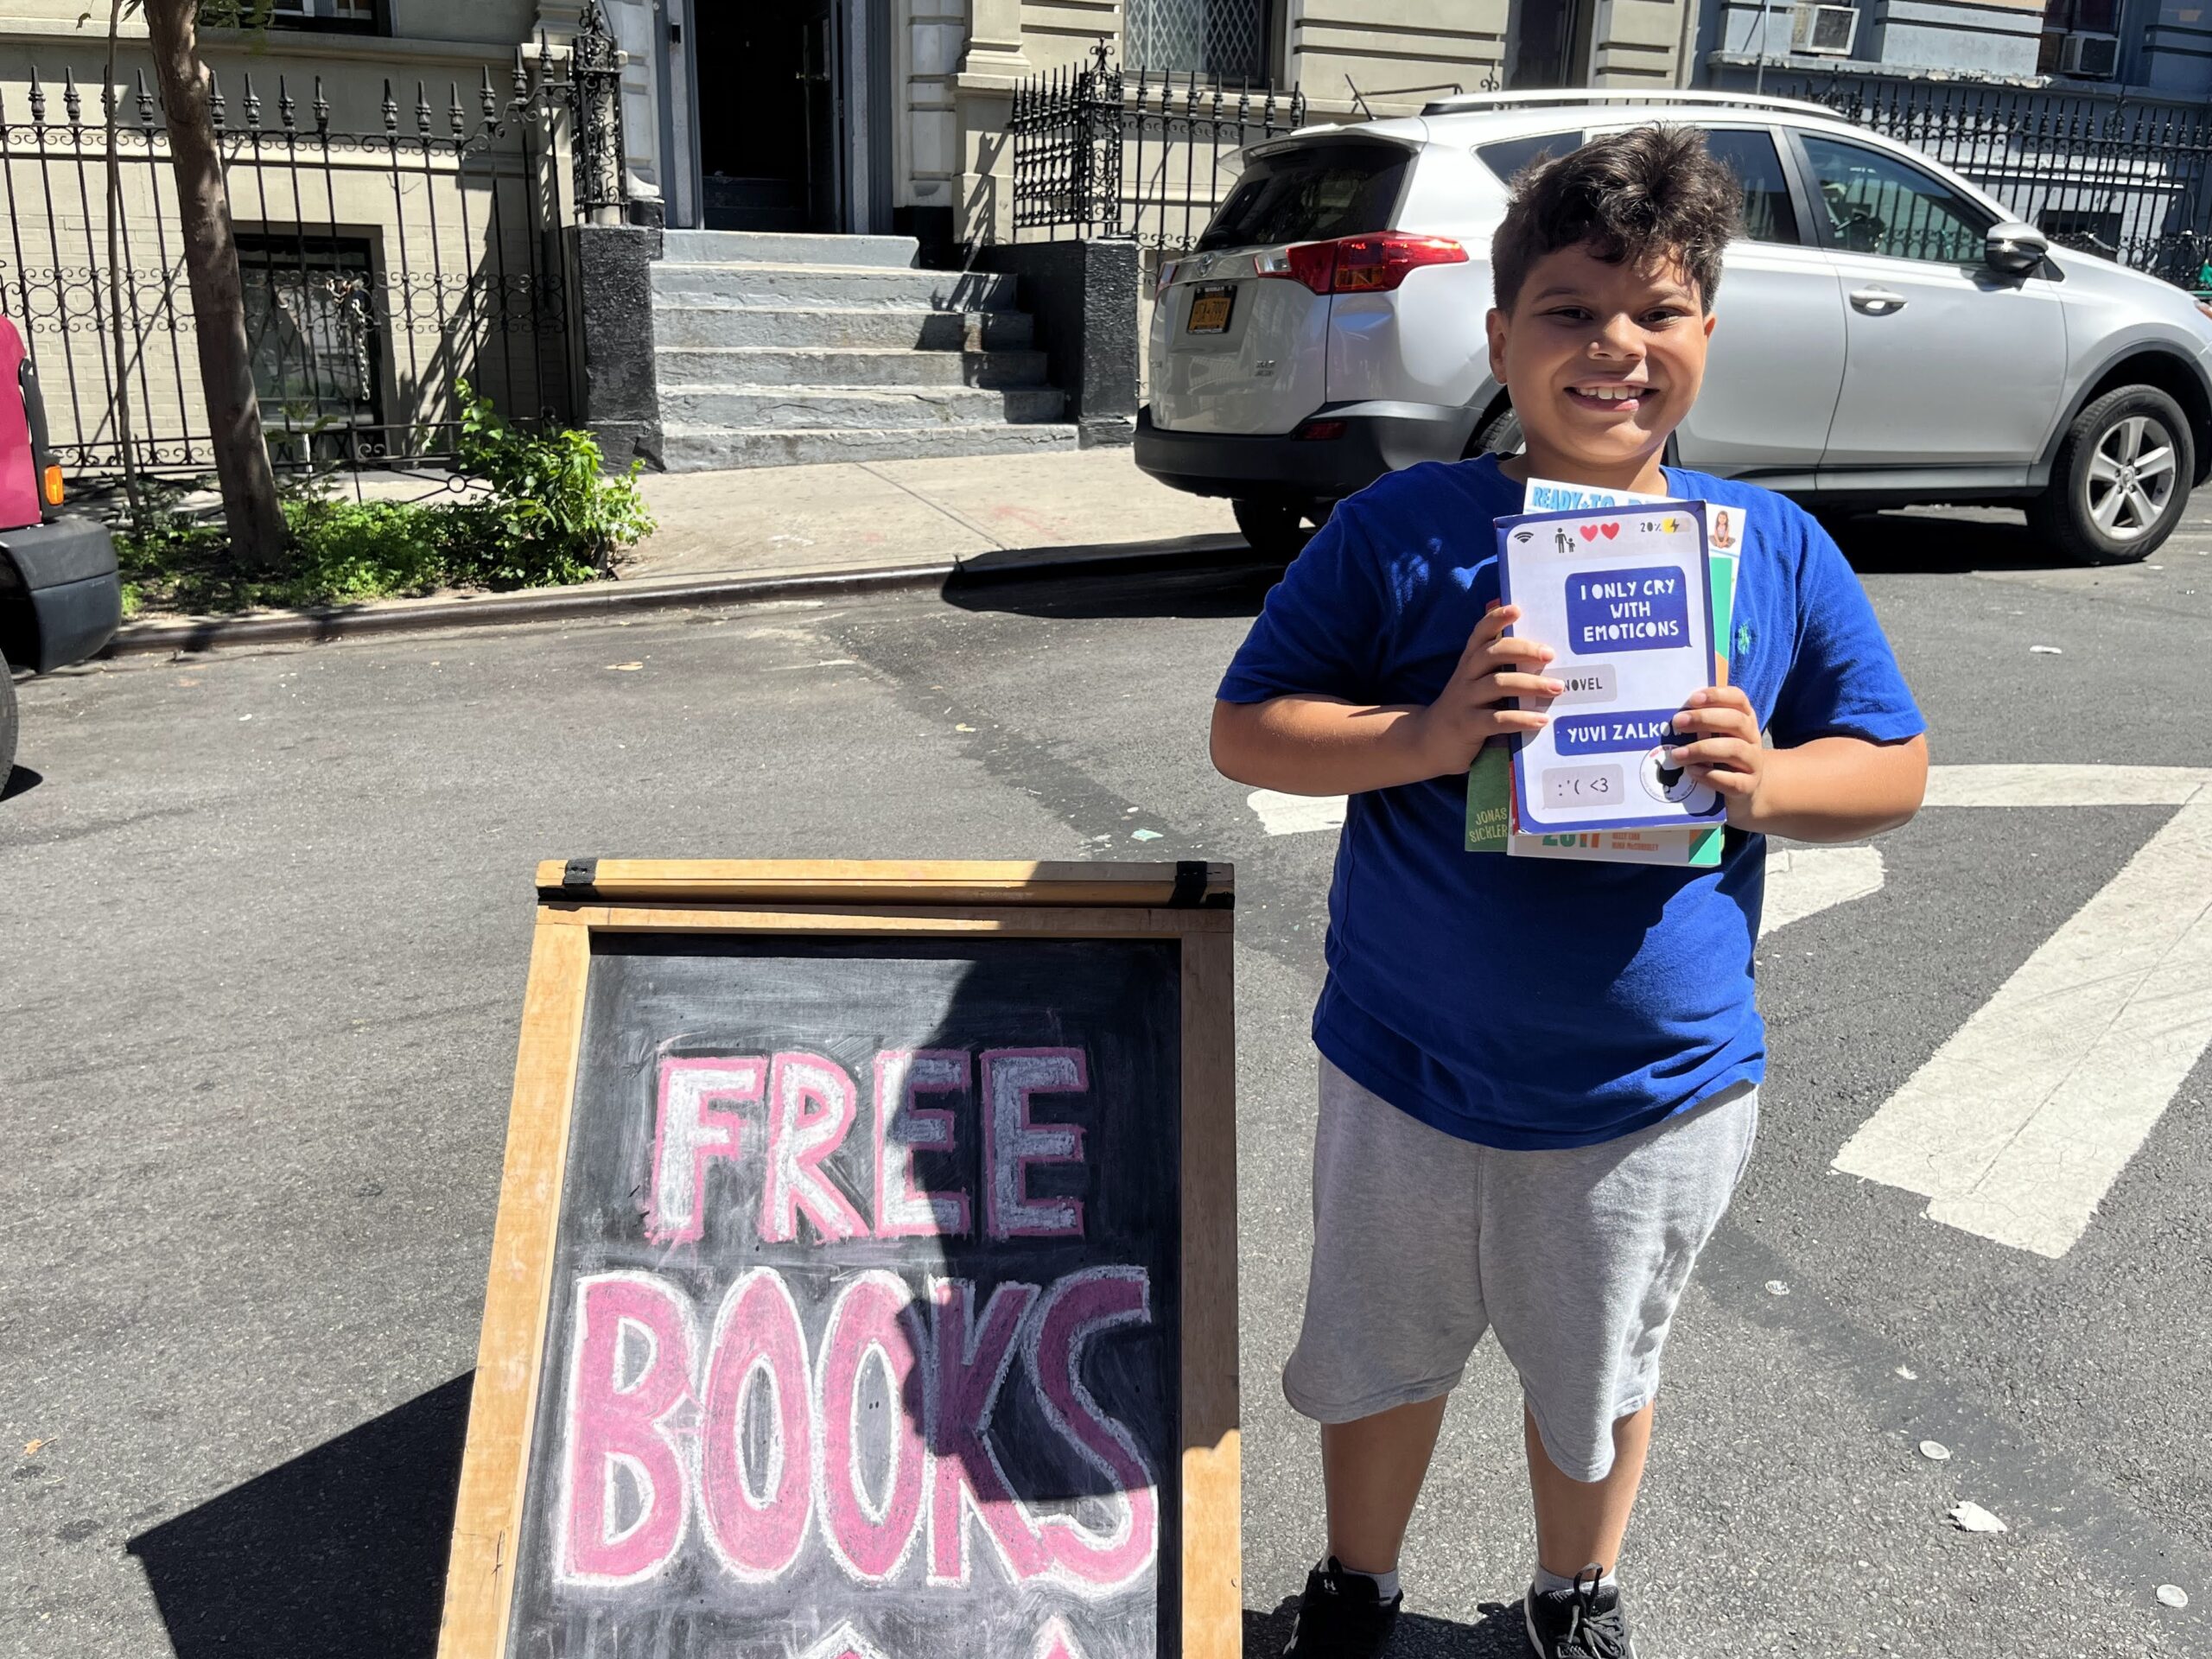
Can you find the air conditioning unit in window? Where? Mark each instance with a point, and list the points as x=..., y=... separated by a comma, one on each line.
x=1823, y=31
x=2093, y=57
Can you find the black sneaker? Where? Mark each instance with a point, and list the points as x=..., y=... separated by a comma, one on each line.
x=1341, y=1616
x=1584, y=1623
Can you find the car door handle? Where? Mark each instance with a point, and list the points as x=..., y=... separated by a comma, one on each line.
x=1877, y=301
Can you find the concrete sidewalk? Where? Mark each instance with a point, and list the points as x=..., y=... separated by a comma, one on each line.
x=733, y=538
x=872, y=514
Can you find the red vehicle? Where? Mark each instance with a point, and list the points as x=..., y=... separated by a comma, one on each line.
x=60, y=598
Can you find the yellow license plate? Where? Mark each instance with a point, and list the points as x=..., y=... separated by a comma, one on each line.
x=1210, y=310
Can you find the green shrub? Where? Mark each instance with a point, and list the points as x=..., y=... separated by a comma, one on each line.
x=344, y=550
x=551, y=517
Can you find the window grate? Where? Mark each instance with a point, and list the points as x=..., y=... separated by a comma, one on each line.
x=1226, y=40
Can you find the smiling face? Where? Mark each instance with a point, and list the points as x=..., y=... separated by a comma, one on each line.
x=1602, y=361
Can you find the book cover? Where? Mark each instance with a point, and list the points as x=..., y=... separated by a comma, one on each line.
x=1624, y=594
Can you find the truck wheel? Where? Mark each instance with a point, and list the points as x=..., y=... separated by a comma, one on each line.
x=8, y=724
x=2120, y=482
x=1275, y=531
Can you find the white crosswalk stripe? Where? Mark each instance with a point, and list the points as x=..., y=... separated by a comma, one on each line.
x=2017, y=1126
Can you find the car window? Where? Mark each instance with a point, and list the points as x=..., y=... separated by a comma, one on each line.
x=1313, y=193
x=1508, y=155
x=1768, y=215
x=1878, y=204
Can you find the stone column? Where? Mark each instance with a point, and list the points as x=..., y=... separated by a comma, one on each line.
x=983, y=99
x=621, y=401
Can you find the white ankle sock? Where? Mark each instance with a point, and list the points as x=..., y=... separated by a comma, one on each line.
x=1386, y=1584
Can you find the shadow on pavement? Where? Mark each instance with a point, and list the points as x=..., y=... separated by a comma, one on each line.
x=1499, y=1634
x=20, y=781
x=340, y=1553
x=1952, y=544
x=1226, y=591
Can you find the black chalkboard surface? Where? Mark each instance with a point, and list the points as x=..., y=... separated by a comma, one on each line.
x=864, y=1277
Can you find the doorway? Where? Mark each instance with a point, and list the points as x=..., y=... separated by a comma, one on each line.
x=772, y=141
x=1547, y=44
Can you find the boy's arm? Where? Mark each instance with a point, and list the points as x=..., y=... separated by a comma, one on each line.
x=1828, y=789
x=1309, y=744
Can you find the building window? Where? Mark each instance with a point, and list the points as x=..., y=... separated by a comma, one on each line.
x=358, y=16
x=2080, y=38
x=1223, y=39
x=311, y=328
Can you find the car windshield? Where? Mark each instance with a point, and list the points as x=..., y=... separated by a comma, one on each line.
x=1313, y=193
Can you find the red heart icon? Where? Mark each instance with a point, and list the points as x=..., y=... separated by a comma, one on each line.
x=1611, y=530
x=1589, y=532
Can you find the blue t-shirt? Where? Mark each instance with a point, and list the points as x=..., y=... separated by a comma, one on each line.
x=1527, y=1002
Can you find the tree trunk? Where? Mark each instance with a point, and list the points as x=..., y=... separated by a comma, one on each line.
x=211, y=264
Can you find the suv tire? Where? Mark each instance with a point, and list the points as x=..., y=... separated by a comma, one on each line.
x=1274, y=531
x=9, y=724
x=2097, y=509
x=1499, y=436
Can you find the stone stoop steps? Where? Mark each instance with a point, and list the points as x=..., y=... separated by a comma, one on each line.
x=773, y=350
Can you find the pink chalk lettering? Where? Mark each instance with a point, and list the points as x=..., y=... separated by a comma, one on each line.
x=844, y=1643
x=757, y=1519
x=903, y=1128
x=874, y=1318
x=633, y=1369
x=1056, y=1641
x=799, y=1140
x=687, y=1133
x=1074, y=1310
x=970, y=1363
x=1012, y=1141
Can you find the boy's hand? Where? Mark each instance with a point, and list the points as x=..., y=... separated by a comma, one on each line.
x=1477, y=703
x=1723, y=751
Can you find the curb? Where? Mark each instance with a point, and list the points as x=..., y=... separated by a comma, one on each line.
x=608, y=599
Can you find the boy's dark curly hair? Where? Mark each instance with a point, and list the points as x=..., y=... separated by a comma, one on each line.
x=1652, y=191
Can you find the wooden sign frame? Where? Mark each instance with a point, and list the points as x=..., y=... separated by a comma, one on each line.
x=1187, y=902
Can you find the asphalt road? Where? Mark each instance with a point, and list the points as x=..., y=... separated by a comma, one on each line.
x=263, y=939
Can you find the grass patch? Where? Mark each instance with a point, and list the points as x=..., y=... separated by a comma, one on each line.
x=552, y=518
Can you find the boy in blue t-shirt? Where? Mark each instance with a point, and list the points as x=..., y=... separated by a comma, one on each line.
x=1539, y=1079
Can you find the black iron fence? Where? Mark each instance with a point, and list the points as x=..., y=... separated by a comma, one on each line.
x=382, y=268
x=2122, y=176
x=1102, y=151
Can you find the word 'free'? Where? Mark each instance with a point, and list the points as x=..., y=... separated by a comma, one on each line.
x=779, y=1117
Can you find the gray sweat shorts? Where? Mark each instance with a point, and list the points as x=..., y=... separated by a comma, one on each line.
x=1575, y=1257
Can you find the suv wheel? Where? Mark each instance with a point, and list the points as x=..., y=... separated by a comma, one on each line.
x=1499, y=436
x=1275, y=531
x=2121, y=478
x=8, y=725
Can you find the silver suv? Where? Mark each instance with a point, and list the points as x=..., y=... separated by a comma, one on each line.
x=1889, y=334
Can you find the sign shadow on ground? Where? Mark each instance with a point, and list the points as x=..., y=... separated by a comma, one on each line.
x=339, y=1553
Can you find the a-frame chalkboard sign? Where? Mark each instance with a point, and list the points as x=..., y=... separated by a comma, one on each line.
x=864, y=1285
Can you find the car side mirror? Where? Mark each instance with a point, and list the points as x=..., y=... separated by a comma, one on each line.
x=2014, y=248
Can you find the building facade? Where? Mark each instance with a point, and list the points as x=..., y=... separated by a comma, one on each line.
x=892, y=114
x=2159, y=49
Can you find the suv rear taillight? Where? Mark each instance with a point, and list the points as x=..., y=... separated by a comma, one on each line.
x=1359, y=264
